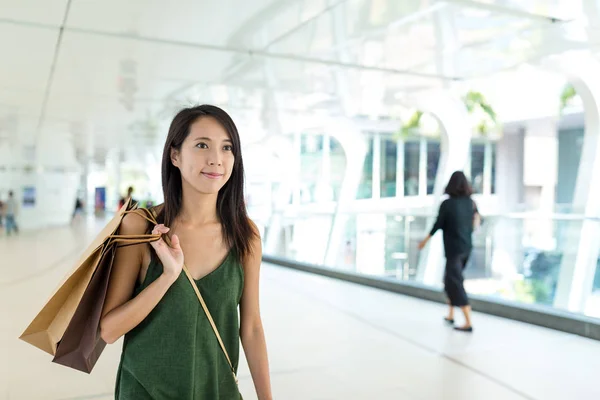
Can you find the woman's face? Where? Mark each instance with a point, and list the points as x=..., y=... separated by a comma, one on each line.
x=206, y=157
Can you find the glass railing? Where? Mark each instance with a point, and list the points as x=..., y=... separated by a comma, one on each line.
x=516, y=257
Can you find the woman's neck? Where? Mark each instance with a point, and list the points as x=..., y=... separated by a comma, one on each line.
x=197, y=208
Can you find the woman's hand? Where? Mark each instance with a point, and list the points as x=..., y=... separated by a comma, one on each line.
x=171, y=257
x=423, y=242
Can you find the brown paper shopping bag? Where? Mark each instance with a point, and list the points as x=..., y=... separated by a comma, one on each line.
x=81, y=345
x=69, y=351
x=49, y=325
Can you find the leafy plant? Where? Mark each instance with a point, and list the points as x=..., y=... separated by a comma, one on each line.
x=476, y=103
x=566, y=96
x=413, y=124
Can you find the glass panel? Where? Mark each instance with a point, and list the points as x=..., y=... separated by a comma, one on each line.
x=433, y=161
x=311, y=166
x=311, y=144
x=412, y=155
x=365, y=189
x=517, y=259
x=389, y=159
x=570, y=142
x=593, y=303
x=477, y=157
x=338, y=166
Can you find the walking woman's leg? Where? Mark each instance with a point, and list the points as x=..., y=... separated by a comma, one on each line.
x=467, y=313
x=450, y=317
x=462, y=295
x=450, y=311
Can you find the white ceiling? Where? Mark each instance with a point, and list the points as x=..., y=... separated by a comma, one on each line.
x=110, y=74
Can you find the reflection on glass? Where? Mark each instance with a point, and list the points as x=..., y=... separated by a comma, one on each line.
x=389, y=158
x=412, y=156
x=477, y=162
x=365, y=189
x=433, y=161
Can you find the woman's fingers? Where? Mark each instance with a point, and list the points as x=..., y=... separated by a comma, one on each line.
x=175, y=242
x=160, y=229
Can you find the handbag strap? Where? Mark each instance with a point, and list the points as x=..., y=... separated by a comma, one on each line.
x=205, y=308
x=210, y=319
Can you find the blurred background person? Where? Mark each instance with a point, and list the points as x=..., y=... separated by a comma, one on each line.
x=455, y=219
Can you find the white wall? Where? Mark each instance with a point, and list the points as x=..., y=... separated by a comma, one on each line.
x=50, y=168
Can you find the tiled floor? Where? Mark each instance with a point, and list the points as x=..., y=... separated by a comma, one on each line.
x=327, y=340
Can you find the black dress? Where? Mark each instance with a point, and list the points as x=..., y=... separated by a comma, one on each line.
x=455, y=219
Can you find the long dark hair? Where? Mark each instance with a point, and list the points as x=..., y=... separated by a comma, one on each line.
x=458, y=185
x=231, y=207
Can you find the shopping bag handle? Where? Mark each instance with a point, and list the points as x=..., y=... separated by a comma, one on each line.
x=128, y=240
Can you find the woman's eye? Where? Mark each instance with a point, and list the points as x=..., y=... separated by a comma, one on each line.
x=202, y=146
x=227, y=148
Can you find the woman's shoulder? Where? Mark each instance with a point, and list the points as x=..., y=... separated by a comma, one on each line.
x=134, y=224
x=456, y=201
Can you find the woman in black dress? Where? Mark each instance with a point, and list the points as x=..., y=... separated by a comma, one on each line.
x=455, y=219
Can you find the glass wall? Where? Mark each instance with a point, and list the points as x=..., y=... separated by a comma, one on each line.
x=570, y=142
x=511, y=259
x=311, y=166
x=322, y=168
x=323, y=164
x=365, y=189
x=481, y=168
x=412, y=157
x=477, y=166
x=337, y=159
x=389, y=166
x=433, y=161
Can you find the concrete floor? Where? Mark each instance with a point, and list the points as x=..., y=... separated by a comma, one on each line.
x=327, y=340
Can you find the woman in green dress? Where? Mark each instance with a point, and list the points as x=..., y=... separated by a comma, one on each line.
x=170, y=349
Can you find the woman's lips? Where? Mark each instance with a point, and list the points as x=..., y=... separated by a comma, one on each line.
x=212, y=175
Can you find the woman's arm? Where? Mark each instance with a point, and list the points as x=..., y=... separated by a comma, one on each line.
x=251, y=329
x=121, y=313
x=439, y=224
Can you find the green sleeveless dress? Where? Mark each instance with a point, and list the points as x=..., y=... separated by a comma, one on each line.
x=173, y=353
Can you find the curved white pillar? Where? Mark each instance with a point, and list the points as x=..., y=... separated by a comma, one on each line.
x=581, y=249
x=456, y=138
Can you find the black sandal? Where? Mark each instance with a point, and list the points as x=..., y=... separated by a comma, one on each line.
x=450, y=321
x=460, y=329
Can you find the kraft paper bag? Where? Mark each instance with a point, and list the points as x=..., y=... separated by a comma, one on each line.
x=50, y=324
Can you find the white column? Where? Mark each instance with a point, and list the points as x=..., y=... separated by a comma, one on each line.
x=286, y=150
x=581, y=250
x=355, y=147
